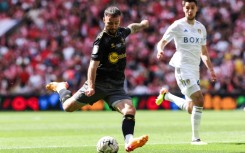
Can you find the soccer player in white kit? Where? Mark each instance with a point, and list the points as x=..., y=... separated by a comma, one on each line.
x=190, y=40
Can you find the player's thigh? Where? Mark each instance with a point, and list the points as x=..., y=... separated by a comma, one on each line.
x=80, y=97
x=71, y=105
x=192, y=90
x=186, y=79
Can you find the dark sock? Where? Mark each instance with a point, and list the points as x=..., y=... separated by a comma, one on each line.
x=128, y=125
x=64, y=95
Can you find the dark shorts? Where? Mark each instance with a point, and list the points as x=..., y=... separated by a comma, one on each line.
x=103, y=91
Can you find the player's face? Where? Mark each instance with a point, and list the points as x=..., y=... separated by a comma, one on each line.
x=111, y=24
x=190, y=10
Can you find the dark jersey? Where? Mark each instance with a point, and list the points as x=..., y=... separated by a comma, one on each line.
x=111, y=52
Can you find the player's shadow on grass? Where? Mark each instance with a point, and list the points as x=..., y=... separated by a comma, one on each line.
x=232, y=143
x=238, y=143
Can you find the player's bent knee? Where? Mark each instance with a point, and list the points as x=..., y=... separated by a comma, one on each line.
x=197, y=99
x=199, y=102
x=131, y=110
x=126, y=107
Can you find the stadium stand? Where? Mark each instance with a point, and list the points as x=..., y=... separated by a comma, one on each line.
x=52, y=41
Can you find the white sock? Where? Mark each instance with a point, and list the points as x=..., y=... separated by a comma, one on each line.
x=180, y=102
x=59, y=88
x=128, y=138
x=196, y=121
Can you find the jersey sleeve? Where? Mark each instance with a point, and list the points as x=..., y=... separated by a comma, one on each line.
x=125, y=32
x=170, y=33
x=204, y=39
x=97, y=48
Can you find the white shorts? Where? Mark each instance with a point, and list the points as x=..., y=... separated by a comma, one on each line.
x=188, y=81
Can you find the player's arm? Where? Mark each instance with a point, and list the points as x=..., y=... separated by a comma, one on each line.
x=160, y=47
x=92, y=69
x=136, y=27
x=206, y=60
x=167, y=37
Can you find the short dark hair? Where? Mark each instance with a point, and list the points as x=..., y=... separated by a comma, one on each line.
x=112, y=11
x=184, y=1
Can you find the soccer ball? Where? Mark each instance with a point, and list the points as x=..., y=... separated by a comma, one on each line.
x=107, y=144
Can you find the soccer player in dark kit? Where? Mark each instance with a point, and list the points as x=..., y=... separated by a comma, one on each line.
x=105, y=78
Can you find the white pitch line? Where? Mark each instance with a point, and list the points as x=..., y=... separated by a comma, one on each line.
x=162, y=143
x=19, y=147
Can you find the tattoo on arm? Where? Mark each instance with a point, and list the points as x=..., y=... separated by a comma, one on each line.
x=135, y=27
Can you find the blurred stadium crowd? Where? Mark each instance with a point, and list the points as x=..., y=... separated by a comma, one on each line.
x=52, y=41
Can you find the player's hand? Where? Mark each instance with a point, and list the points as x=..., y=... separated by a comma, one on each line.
x=213, y=76
x=89, y=92
x=145, y=23
x=159, y=54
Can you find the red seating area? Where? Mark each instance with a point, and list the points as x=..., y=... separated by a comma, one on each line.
x=54, y=40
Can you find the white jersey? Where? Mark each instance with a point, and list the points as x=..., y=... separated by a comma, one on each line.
x=188, y=40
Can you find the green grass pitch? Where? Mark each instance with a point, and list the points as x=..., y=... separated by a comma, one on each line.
x=78, y=132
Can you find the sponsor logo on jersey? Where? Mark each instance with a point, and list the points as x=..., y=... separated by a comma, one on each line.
x=192, y=40
x=114, y=57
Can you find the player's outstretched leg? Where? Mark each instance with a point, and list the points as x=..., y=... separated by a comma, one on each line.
x=56, y=86
x=161, y=95
x=164, y=94
x=136, y=143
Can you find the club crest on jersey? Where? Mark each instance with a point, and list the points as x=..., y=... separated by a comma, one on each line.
x=113, y=45
x=199, y=31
